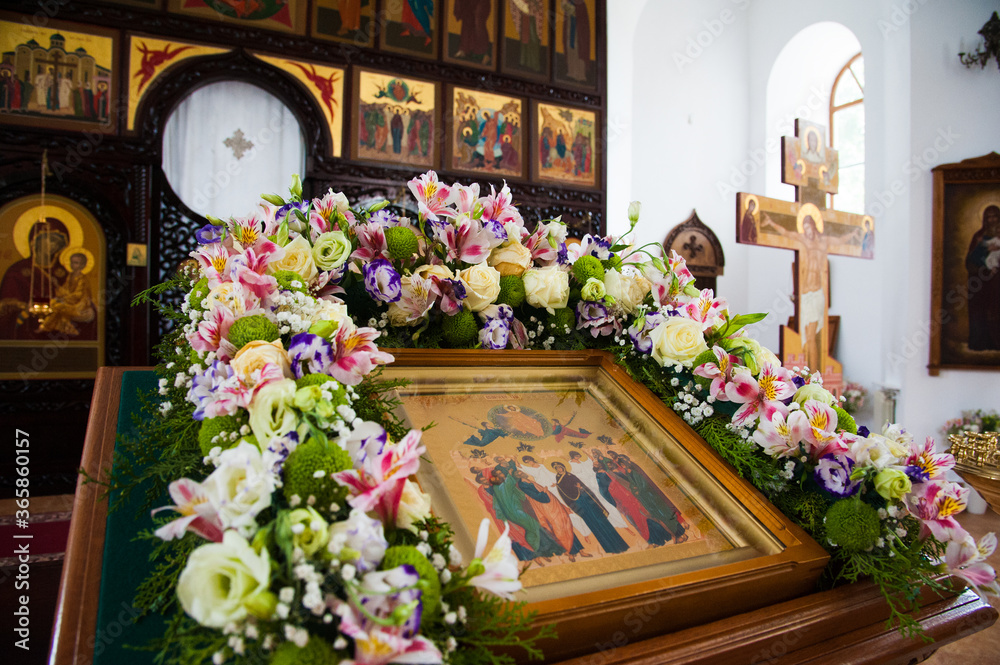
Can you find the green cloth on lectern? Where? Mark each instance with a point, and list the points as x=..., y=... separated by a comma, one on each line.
x=126, y=562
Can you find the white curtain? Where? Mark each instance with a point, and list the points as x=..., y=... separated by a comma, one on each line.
x=265, y=147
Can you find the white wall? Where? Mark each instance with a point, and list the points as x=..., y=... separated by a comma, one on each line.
x=692, y=94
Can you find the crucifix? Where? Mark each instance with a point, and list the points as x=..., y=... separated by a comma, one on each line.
x=814, y=232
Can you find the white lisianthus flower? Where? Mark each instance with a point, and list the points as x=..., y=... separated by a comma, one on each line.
x=677, y=340
x=878, y=451
x=298, y=258
x=313, y=534
x=224, y=582
x=498, y=571
x=414, y=506
x=482, y=286
x=240, y=487
x=634, y=207
x=546, y=288
x=628, y=290
x=510, y=258
x=254, y=355
x=359, y=539
x=593, y=290
x=331, y=250
x=271, y=412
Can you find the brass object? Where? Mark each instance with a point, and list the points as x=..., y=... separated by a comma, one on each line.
x=977, y=461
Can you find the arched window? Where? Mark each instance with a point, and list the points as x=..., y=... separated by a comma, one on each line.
x=228, y=141
x=847, y=133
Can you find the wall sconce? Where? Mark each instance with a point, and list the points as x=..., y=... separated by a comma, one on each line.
x=990, y=48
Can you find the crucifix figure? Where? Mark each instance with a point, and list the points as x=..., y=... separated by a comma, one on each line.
x=813, y=232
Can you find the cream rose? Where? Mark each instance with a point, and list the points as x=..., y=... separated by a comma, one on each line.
x=627, y=290
x=241, y=486
x=414, y=506
x=298, y=258
x=223, y=582
x=254, y=355
x=510, y=258
x=440, y=271
x=331, y=250
x=816, y=392
x=482, y=286
x=546, y=288
x=271, y=412
x=677, y=340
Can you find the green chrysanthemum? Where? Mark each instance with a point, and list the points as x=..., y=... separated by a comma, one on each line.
x=845, y=421
x=511, y=291
x=289, y=280
x=429, y=581
x=252, y=328
x=199, y=292
x=612, y=263
x=587, y=267
x=213, y=427
x=853, y=525
x=302, y=467
x=339, y=394
x=562, y=319
x=461, y=329
x=317, y=651
x=401, y=242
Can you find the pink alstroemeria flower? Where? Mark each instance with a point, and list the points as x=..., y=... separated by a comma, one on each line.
x=371, y=243
x=966, y=560
x=378, y=484
x=822, y=423
x=761, y=396
x=465, y=197
x=216, y=261
x=499, y=206
x=780, y=436
x=936, y=504
x=544, y=245
x=925, y=464
x=466, y=240
x=706, y=309
x=378, y=645
x=432, y=196
x=720, y=372
x=418, y=297
x=213, y=329
x=500, y=567
x=678, y=266
x=198, y=514
x=249, y=269
x=355, y=353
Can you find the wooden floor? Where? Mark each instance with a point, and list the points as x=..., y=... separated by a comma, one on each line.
x=982, y=648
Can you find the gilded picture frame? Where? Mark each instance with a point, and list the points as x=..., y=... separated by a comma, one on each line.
x=512, y=438
x=965, y=286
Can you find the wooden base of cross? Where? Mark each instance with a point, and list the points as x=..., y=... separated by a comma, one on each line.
x=793, y=354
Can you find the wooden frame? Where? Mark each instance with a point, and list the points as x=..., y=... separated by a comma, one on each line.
x=846, y=624
x=458, y=106
x=423, y=95
x=965, y=290
x=546, y=116
x=92, y=93
x=742, y=552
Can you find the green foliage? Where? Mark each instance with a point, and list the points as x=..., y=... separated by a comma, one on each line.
x=429, y=582
x=511, y=291
x=587, y=267
x=377, y=401
x=308, y=459
x=316, y=652
x=401, y=242
x=852, y=524
x=562, y=319
x=252, y=328
x=461, y=329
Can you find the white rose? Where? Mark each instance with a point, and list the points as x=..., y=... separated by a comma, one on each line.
x=271, y=412
x=240, y=487
x=330, y=310
x=298, y=258
x=546, y=288
x=482, y=286
x=677, y=340
x=627, y=290
x=258, y=353
x=510, y=258
x=224, y=581
x=414, y=506
x=331, y=250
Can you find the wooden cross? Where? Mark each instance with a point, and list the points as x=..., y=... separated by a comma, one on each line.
x=813, y=232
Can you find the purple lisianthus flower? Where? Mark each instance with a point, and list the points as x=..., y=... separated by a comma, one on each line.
x=289, y=209
x=798, y=381
x=382, y=592
x=494, y=334
x=639, y=331
x=563, y=255
x=204, y=386
x=497, y=229
x=863, y=431
x=452, y=294
x=595, y=317
x=833, y=474
x=384, y=217
x=208, y=234
x=360, y=536
x=382, y=282
x=310, y=354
